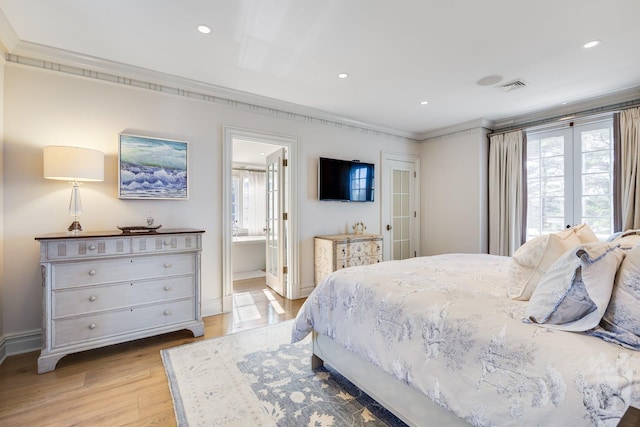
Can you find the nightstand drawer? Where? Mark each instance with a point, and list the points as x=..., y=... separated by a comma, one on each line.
x=358, y=249
x=358, y=260
x=86, y=248
x=103, y=325
x=77, y=301
x=69, y=275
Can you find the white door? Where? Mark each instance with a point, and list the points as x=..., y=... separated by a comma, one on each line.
x=275, y=247
x=399, y=207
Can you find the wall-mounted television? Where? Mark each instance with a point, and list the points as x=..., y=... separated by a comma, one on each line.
x=345, y=180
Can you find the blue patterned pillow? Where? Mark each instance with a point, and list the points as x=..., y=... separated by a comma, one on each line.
x=622, y=318
x=574, y=293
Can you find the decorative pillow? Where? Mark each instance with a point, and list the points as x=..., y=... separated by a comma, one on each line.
x=628, y=239
x=574, y=293
x=622, y=318
x=584, y=233
x=531, y=261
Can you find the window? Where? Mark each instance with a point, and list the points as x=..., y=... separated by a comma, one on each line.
x=248, y=202
x=570, y=178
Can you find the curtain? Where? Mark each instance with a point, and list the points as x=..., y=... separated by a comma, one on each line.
x=507, y=192
x=254, y=203
x=629, y=179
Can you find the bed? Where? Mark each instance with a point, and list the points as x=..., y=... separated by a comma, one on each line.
x=438, y=341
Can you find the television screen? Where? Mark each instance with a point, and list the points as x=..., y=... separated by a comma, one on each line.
x=345, y=180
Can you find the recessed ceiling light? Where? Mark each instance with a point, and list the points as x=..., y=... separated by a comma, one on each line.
x=592, y=43
x=343, y=75
x=424, y=102
x=262, y=153
x=204, y=29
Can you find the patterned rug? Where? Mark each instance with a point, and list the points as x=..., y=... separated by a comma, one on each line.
x=256, y=378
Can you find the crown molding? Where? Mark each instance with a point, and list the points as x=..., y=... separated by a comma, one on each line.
x=592, y=105
x=459, y=128
x=37, y=55
x=8, y=37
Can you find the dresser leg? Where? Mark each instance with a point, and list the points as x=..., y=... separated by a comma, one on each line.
x=197, y=330
x=47, y=363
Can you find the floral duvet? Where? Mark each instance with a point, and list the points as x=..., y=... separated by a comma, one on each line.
x=445, y=326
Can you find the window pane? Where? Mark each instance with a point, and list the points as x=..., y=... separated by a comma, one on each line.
x=596, y=206
x=598, y=139
x=553, y=186
x=533, y=149
x=596, y=184
x=553, y=146
x=596, y=161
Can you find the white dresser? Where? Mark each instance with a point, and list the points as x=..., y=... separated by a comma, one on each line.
x=110, y=287
x=345, y=250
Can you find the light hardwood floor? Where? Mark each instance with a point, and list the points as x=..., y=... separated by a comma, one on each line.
x=123, y=384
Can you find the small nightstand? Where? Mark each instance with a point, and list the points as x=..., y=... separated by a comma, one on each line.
x=345, y=250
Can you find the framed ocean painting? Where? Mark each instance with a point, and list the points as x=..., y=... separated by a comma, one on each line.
x=152, y=168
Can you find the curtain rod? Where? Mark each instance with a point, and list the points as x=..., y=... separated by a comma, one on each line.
x=567, y=118
x=249, y=170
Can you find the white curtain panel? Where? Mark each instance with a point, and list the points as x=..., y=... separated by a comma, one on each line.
x=255, y=203
x=630, y=168
x=506, y=192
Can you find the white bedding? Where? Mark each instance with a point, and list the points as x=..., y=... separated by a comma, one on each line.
x=444, y=325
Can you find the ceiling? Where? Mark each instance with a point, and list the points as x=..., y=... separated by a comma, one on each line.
x=454, y=54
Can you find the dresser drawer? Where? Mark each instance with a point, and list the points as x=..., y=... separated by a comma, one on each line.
x=159, y=243
x=76, y=301
x=357, y=249
x=85, y=248
x=358, y=260
x=103, y=325
x=92, y=272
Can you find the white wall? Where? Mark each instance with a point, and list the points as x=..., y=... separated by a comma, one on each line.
x=454, y=193
x=45, y=107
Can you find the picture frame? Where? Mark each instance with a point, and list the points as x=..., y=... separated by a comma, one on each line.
x=152, y=168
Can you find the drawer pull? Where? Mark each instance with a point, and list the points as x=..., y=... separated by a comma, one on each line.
x=167, y=312
x=92, y=247
x=92, y=298
x=166, y=242
x=167, y=288
x=92, y=272
x=92, y=326
x=167, y=265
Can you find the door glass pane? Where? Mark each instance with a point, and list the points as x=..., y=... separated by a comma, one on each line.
x=596, y=148
x=401, y=214
x=545, y=184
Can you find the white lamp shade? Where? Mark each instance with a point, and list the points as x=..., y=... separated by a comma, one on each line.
x=73, y=163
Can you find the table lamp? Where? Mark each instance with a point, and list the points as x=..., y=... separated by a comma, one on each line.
x=73, y=164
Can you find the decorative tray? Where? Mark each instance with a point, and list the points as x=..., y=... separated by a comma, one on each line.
x=138, y=229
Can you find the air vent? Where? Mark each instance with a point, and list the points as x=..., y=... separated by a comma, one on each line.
x=516, y=84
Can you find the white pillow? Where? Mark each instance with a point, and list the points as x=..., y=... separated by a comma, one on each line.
x=628, y=239
x=584, y=233
x=574, y=294
x=531, y=261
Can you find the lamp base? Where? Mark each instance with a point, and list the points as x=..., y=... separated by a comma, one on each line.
x=75, y=226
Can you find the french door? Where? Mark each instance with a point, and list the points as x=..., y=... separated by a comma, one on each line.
x=399, y=206
x=570, y=178
x=275, y=230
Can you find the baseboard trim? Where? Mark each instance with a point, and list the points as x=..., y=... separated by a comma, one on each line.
x=211, y=307
x=25, y=342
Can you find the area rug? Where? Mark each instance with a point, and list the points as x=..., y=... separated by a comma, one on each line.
x=257, y=378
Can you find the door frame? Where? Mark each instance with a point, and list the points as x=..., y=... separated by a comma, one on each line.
x=292, y=288
x=386, y=199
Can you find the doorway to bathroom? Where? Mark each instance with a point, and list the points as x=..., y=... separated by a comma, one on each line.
x=259, y=221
